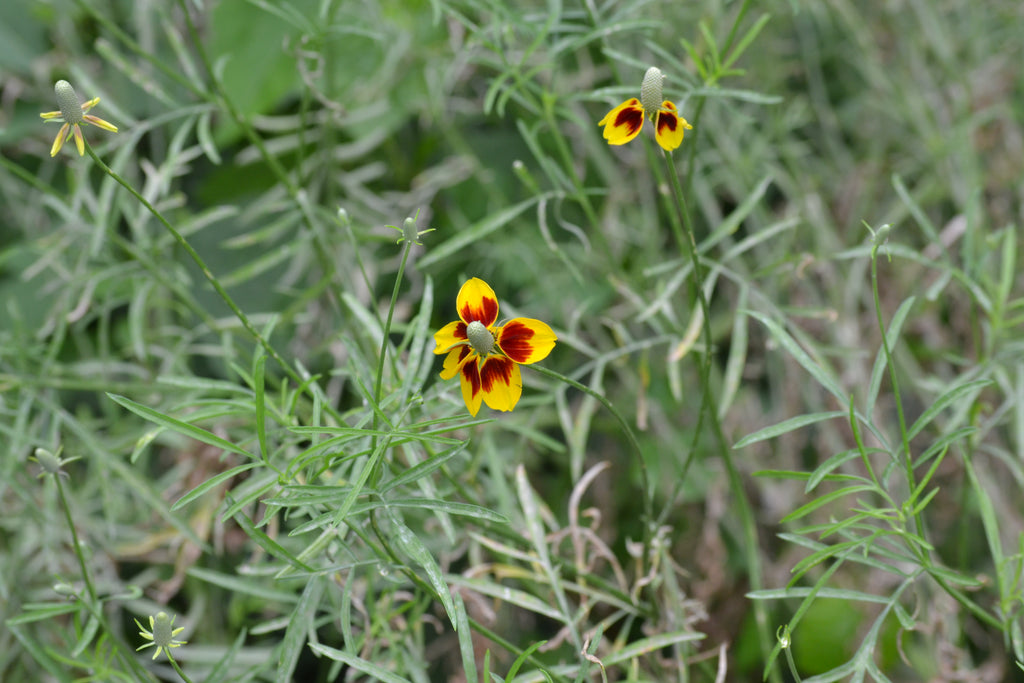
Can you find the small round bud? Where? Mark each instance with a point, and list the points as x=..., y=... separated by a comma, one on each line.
x=50, y=463
x=64, y=589
x=343, y=218
x=409, y=233
x=650, y=90
x=480, y=338
x=68, y=103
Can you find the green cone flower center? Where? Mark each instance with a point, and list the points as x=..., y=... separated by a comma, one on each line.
x=650, y=91
x=480, y=338
x=67, y=102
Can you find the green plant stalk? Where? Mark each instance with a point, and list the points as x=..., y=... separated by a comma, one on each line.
x=792, y=665
x=297, y=195
x=178, y=668
x=908, y=461
x=707, y=406
x=630, y=435
x=207, y=273
x=93, y=605
x=89, y=587
x=378, y=385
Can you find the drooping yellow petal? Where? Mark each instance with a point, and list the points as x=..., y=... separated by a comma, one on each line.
x=670, y=126
x=58, y=142
x=526, y=340
x=450, y=335
x=501, y=383
x=476, y=301
x=79, y=140
x=97, y=121
x=623, y=123
x=472, y=390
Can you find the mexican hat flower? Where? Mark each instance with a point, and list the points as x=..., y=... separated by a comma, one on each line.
x=72, y=115
x=623, y=123
x=161, y=633
x=485, y=355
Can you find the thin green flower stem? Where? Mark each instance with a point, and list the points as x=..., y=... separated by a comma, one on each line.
x=792, y=665
x=89, y=587
x=648, y=493
x=378, y=385
x=93, y=604
x=908, y=461
x=242, y=317
x=176, y=667
x=707, y=406
x=297, y=195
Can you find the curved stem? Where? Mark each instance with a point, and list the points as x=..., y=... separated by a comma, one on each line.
x=207, y=273
x=378, y=385
x=77, y=544
x=707, y=407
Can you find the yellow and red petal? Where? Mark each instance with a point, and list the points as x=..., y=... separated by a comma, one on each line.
x=670, y=126
x=472, y=386
x=623, y=123
x=456, y=359
x=450, y=335
x=50, y=115
x=97, y=121
x=526, y=340
x=86, y=106
x=79, y=140
x=501, y=383
x=58, y=142
x=477, y=302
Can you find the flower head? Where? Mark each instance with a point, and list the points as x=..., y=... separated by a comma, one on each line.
x=623, y=123
x=485, y=355
x=161, y=633
x=51, y=463
x=72, y=114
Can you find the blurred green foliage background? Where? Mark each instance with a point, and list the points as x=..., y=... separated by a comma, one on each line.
x=249, y=123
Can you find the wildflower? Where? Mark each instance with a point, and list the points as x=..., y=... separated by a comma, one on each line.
x=71, y=114
x=485, y=355
x=161, y=633
x=623, y=123
x=410, y=231
x=51, y=463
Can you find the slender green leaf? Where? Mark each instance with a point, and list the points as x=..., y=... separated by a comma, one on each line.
x=787, y=426
x=190, y=430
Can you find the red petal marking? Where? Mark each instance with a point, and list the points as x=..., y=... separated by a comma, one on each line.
x=460, y=331
x=515, y=341
x=471, y=372
x=495, y=369
x=487, y=314
x=631, y=119
x=668, y=120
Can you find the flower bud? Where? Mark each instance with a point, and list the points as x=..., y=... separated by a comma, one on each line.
x=50, y=463
x=650, y=91
x=480, y=338
x=68, y=102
